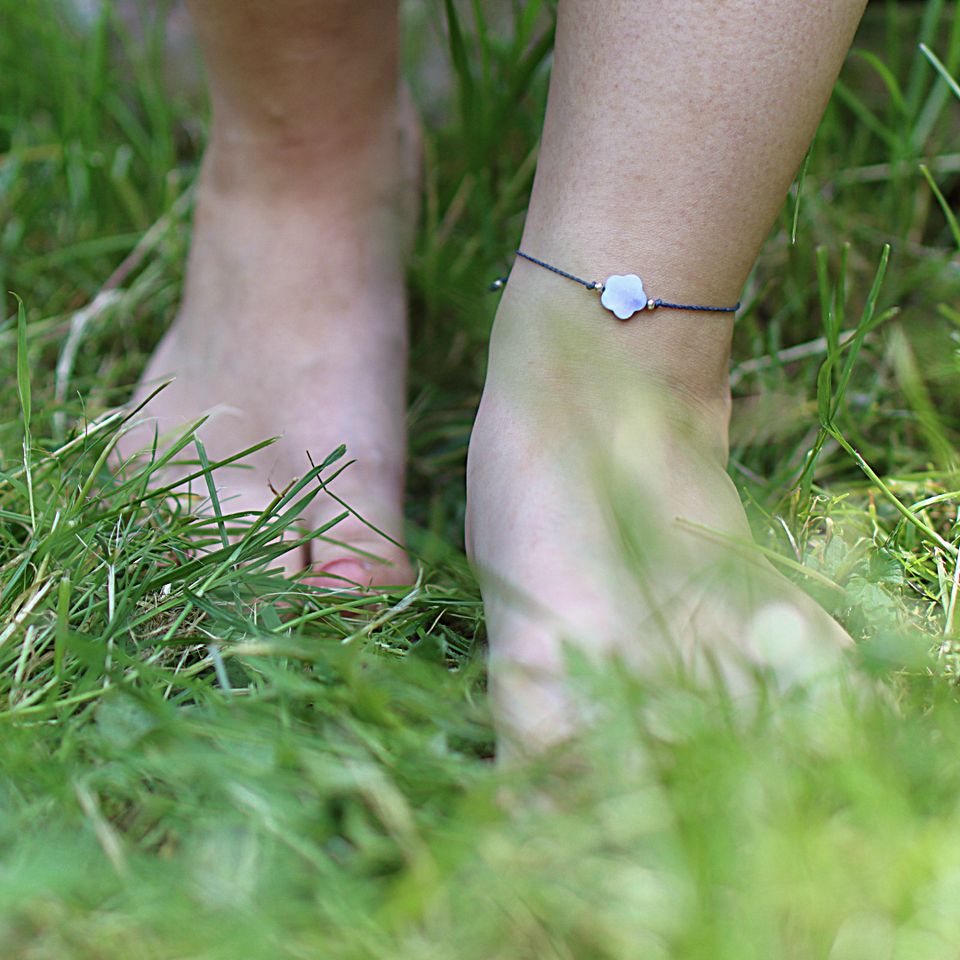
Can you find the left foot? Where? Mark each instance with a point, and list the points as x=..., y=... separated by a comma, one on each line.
x=588, y=463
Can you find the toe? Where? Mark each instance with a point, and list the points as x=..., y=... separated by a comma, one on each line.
x=359, y=574
x=345, y=573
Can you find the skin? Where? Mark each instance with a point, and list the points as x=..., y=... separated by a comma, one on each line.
x=293, y=319
x=672, y=134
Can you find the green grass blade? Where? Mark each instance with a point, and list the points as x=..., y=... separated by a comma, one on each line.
x=952, y=84
x=948, y=213
x=886, y=75
x=801, y=179
x=23, y=365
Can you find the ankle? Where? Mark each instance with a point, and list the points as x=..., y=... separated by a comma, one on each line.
x=556, y=352
x=304, y=158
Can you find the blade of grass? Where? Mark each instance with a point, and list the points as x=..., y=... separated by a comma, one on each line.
x=952, y=84
x=948, y=213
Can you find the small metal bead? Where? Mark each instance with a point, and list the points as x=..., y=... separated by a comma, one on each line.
x=497, y=284
x=651, y=304
x=597, y=285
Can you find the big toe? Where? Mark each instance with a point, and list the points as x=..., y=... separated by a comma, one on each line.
x=354, y=573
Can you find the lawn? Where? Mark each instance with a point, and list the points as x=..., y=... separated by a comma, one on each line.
x=201, y=759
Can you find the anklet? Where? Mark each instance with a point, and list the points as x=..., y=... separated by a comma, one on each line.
x=622, y=295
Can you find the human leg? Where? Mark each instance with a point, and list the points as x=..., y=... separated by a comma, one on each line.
x=672, y=134
x=293, y=314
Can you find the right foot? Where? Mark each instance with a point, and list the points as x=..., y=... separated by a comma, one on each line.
x=293, y=325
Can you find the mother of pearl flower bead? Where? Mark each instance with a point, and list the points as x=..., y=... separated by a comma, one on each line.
x=623, y=295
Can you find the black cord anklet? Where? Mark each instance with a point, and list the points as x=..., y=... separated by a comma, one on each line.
x=623, y=295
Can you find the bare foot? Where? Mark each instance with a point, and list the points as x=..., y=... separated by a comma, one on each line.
x=588, y=465
x=293, y=324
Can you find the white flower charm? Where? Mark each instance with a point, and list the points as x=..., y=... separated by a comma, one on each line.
x=623, y=296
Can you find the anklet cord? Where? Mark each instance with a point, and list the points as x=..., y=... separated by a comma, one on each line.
x=589, y=284
x=621, y=295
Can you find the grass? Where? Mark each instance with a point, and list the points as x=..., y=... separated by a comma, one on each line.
x=201, y=760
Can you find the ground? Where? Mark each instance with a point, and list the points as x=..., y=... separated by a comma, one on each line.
x=201, y=759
